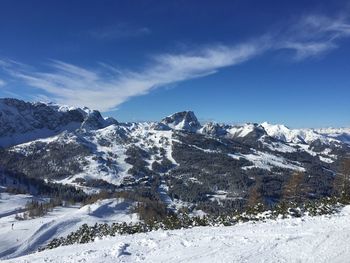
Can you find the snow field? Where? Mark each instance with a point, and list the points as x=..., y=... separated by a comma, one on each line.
x=309, y=239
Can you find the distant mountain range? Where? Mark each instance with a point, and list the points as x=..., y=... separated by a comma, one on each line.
x=209, y=167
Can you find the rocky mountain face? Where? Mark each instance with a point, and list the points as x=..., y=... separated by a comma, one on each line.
x=185, y=120
x=23, y=121
x=177, y=160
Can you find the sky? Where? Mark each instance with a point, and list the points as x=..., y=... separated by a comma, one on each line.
x=228, y=61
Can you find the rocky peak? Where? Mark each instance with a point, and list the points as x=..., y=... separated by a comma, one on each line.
x=93, y=121
x=214, y=129
x=185, y=120
x=22, y=121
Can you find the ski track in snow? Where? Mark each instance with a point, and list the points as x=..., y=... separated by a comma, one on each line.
x=309, y=239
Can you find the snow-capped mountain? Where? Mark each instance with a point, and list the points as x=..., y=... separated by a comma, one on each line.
x=214, y=129
x=306, y=136
x=341, y=134
x=185, y=120
x=189, y=164
x=282, y=133
x=21, y=121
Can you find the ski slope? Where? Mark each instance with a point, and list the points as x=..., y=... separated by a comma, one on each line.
x=28, y=235
x=309, y=239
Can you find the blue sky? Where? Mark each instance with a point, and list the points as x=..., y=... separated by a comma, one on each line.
x=229, y=61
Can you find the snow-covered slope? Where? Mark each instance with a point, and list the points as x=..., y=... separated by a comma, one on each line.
x=12, y=204
x=283, y=133
x=242, y=131
x=267, y=161
x=28, y=235
x=341, y=134
x=318, y=239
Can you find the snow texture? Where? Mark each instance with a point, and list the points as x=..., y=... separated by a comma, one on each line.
x=28, y=235
x=308, y=239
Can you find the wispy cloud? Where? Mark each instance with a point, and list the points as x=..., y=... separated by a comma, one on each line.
x=119, y=31
x=105, y=87
x=308, y=49
x=314, y=34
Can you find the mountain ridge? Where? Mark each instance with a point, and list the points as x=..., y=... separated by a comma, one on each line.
x=178, y=161
x=29, y=117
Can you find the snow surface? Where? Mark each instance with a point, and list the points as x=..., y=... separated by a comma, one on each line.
x=12, y=204
x=28, y=235
x=308, y=239
x=241, y=131
x=283, y=133
x=280, y=147
x=341, y=134
x=267, y=161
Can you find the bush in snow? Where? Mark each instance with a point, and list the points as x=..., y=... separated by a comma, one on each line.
x=87, y=233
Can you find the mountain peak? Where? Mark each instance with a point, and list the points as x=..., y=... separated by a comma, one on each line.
x=22, y=121
x=184, y=120
x=214, y=129
x=282, y=133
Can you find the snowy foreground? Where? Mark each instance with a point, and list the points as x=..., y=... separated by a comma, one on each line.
x=316, y=239
x=28, y=235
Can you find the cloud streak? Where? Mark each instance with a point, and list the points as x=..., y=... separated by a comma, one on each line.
x=314, y=35
x=106, y=87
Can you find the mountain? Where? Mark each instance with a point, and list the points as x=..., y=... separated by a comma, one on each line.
x=214, y=129
x=341, y=134
x=306, y=136
x=185, y=120
x=210, y=167
x=21, y=121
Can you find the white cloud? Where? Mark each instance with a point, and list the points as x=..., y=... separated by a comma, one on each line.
x=308, y=49
x=106, y=87
x=2, y=83
x=314, y=35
